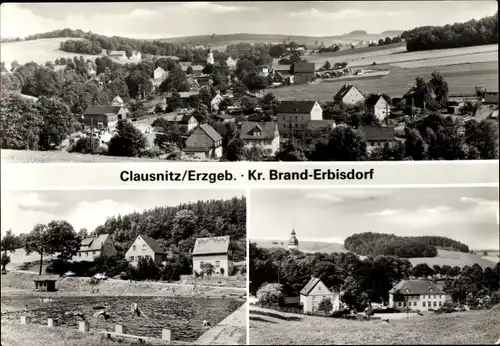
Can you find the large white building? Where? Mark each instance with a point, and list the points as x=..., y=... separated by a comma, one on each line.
x=213, y=250
x=91, y=248
x=418, y=294
x=295, y=116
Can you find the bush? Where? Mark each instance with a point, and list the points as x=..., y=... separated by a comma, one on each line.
x=5, y=260
x=85, y=145
x=270, y=294
x=325, y=305
x=151, y=152
x=495, y=298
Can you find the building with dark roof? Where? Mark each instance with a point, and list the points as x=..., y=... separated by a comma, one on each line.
x=418, y=294
x=377, y=135
x=147, y=248
x=215, y=251
x=348, y=95
x=91, y=248
x=104, y=116
x=45, y=283
x=294, y=116
x=378, y=106
x=314, y=292
x=264, y=135
x=186, y=122
x=303, y=72
x=204, y=143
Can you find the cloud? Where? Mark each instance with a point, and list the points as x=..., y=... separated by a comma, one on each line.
x=324, y=197
x=478, y=201
x=217, y=8
x=385, y=212
x=33, y=200
x=342, y=195
x=344, y=14
x=139, y=13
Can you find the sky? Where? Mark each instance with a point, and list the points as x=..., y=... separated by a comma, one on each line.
x=21, y=210
x=467, y=214
x=307, y=18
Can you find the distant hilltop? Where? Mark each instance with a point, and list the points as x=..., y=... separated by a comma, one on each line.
x=358, y=32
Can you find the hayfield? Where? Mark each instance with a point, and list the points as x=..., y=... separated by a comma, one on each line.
x=454, y=258
x=461, y=79
x=268, y=327
x=39, y=51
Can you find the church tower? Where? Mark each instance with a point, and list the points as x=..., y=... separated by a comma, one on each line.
x=210, y=57
x=293, y=243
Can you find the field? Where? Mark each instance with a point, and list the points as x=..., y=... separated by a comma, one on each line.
x=305, y=246
x=183, y=315
x=269, y=327
x=461, y=79
x=39, y=51
x=28, y=156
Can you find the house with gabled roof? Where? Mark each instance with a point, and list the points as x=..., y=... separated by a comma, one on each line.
x=264, y=135
x=93, y=247
x=303, y=72
x=104, y=116
x=420, y=294
x=314, y=292
x=145, y=247
x=348, y=95
x=293, y=116
x=378, y=106
x=216, y=251
x=377, y=135
x=186, y=121
x=204, y=143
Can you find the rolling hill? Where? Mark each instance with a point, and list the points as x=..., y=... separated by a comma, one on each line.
x=444, y=257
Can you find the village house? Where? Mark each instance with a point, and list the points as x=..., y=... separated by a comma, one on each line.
x=204, y=80
x=264, y=135
x=490, y=97
x=215, y=251
x=183, y=97
x=417, y=294
x=204, y=143
x=214, y=104
x=282, y=73
x=303, y=72
x=94, y=247
x=101, y=117
x=377, y=106
x=377, y=135
x=294, y=116
x=117, y=54
x=90, y=69
x=321, y=125
x=224, y=118
x=117, y=101
x=348, y=95
x=187, y=121
x=231, y=63
x=147, y=248
x=314, y=292
x=197, y=69
x=159, y=75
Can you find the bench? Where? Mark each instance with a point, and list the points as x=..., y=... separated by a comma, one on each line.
x=141, y=339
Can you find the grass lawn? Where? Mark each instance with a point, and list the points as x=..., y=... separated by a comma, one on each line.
x=269, y=327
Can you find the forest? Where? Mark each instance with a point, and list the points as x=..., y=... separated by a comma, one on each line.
x=374, y=244
x=364, y=281
x=471, y=33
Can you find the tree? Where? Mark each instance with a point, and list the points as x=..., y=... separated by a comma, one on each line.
x=208, y=269
x=342, y=144
x=168, y=133
x=235, y=149
x=5, y=261
x=485, y=253
x=353, y=295
x=83, y=233
x=57, y=123
x=439, y=86
x=422, y=270
x=9, y=243
x=327, y=65
x=184, y=225
x=146, y=270
x=56, y=237
x=270, y=294
x=129, y=141
x=414, y=144
x=325, y=305
x=189, y=70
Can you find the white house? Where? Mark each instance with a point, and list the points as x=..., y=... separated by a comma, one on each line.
x=204, y=143
x=160, y=73
x=216, y=102
x=145, y=247
x=117, y=101
x=186, y=121
x=213, y=250
x=294, y=116
x=378, y=106
x=264, y=135
x=90, y=248
x=314, y=292
x=349, y=95
x=418, y=294
x=231, y=63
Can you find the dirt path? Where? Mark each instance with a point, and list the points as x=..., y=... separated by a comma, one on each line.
x=230, y=331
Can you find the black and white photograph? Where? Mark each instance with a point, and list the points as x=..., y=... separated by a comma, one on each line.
x=376, y=266
x=249, y=81
x=122, y=267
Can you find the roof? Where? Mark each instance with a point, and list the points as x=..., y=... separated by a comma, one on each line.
x=485, y=112
x=211, y=245
x=281, y=68
x=373, y=133
x=184, y=94
x=301, y=67
x=259, y=117
x=116, y=52
x=194, y=67
x=46, y=278
x=295, y=106
x=93, y=244
x=100, y=110
x=179, y=118
x=309, y=286
x=210, y=131
x=343, y=91
x=153, y=244
x=160, y=69
x=320, y=124
x=373, y=99
x=267, y=130
x=412, y=287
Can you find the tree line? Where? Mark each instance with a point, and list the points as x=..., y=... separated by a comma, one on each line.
x=471, y=33
x=374, y=244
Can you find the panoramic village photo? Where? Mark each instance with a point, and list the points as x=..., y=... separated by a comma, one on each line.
x=374, y=266
x=249, y=81
x=117, y=267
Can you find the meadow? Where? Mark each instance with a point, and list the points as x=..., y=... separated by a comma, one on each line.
x=268, y=327
x=461, y=78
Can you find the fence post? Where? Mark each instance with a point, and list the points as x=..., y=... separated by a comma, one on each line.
x=166, y=334
x=50, y=323
x=25, y=320
x=119, y=329
x=83, y=326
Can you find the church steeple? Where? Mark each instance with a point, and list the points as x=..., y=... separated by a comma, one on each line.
x=210, y=56
x=293, y=243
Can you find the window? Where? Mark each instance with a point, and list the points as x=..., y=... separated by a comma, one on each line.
x=423, y=304
x=314, y=299
x=319, y=288
x=139, y=258
x=94, y=253
x=434, y=303
x=144, y=247
x=414, y=303
x=86, y=254
x=201, y=264
x=217, y=264
x=79, y=254
x=440, y=303
x=132, y=258
x=133, y=247
x=399, y=303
